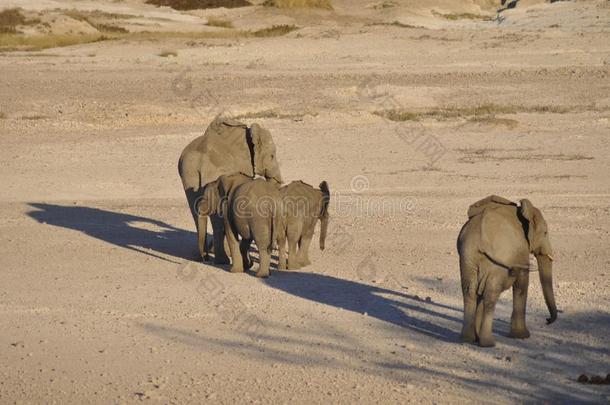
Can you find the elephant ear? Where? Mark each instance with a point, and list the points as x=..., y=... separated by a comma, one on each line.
x=478, y=207
x=502, y=237
x=225, y=149
x=528, y=212
x=263, y=144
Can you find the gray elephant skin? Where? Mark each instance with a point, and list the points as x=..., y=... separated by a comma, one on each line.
x=226, y=147
x=251, y=209
x=494, y=248
x=303, y=206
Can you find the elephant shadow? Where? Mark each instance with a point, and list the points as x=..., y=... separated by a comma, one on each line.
x=137, y=233
x=403, y=310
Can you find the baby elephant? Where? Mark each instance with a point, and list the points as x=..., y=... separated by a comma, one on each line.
x=250, y=209
x=494, y=248
x=303, y=205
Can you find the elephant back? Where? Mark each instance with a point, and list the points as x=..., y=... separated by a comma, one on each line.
x=489, y=201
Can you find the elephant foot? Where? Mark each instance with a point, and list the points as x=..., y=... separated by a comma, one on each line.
x=206, y=258
x=235, y=269
x=487, y=342
x=519, y=333
x=222, y=260
x=468, y=337
x=262, y=274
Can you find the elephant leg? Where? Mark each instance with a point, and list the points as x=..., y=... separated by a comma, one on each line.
x=487, y=306
x=281, y=252
x=469, y=291
x=293, y=260
x=303, y=255
x=218, y=226
x=237, y=265
x=244, y=248
x=517, y=321
x=202, y=231
x=262, y=244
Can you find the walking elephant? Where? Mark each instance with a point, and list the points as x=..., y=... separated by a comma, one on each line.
x=227, y=146
x=303, y=206
x=251, y=209
x=494, y=248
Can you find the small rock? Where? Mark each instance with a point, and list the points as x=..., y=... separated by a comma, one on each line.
x=428, y=299
x=596, y=379
x=583, y=379
x=508, y=358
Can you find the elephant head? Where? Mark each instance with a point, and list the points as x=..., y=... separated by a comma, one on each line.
x=510, y=233
x=540, y=247
x=264, y=154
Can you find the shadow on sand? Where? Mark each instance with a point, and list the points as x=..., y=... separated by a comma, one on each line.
x=140, y=234
x=391, y=306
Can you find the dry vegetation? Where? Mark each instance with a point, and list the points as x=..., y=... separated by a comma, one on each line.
x=270, y=114
x=325, y=4
x=199, y=4
x=219, y=22
x=167, y=54
x=18, y=42
x=485, y=110
x=463, y=16
x=273, y=31
x=14, y=42
x=11, y=18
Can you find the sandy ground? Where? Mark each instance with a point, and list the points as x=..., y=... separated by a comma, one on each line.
x=102, y=299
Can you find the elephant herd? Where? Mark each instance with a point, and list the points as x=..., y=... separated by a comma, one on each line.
x=219, y=174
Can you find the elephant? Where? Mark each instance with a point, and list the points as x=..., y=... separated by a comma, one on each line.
x=303, y=205
x=226, y=147
x=251, y=210
x=494, y=247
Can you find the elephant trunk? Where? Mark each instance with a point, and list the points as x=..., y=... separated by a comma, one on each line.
x=545, y=270
x=324, y=212
x=323, y=230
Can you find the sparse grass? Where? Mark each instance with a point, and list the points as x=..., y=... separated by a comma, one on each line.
x=167, y=54
x=384, y=4
x=269, y=114
x=98, y=20
x=219, y=22
x=274, y=31
x=11, y=18
x=17, y=42
x=463, y=16
x=199, y=4
x=34, y=117
x=2, y=115
x=398, y=24
x=483, y=110
x=325, y=4
x=494, y=121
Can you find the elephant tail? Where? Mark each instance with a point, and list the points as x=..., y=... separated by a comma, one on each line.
x=324, y=213
x=273, y=218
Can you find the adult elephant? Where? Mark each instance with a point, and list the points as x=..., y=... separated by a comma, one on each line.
x=227, y=146
x=494, y=247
